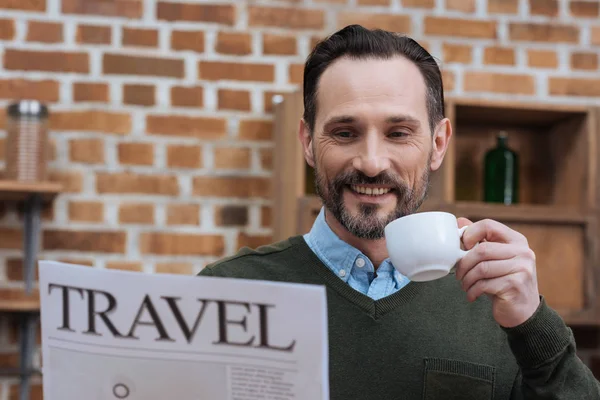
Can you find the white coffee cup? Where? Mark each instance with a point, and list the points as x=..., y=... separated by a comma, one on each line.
x=424, y=246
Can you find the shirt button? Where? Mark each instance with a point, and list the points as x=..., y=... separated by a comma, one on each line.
x=360, y=263
x=342, y=273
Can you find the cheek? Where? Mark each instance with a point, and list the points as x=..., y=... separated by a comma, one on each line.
x=331, y=161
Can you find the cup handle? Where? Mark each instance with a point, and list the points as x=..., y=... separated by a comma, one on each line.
x=461, y=252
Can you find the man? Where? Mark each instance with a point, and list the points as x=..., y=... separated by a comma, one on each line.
x=373, y=129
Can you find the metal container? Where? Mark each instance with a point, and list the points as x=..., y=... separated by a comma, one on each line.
x=27, y=141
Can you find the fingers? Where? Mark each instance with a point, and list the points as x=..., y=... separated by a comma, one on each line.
x=486, y=251
x=462, y=222
x=488, y=270
x=491, y=231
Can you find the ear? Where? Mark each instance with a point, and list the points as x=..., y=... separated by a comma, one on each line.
x=306, y=140
x=440, y=142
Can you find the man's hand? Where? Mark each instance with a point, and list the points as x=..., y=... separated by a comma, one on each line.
x=502, y=266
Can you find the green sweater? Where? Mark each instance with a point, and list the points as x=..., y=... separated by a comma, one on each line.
x=426, y=341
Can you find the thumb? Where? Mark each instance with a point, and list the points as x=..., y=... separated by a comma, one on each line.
x=463, y=222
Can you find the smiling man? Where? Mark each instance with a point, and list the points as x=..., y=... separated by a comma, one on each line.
x=374, y=130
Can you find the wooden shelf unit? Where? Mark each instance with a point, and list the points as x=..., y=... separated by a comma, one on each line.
x=559, y=207
x=21, y=191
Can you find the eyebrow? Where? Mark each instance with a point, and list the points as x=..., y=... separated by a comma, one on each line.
x=349, y=119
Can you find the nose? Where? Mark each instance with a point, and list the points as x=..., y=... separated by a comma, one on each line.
x=372, y=158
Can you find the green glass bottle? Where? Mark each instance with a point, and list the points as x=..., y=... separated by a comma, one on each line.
x=501, y=176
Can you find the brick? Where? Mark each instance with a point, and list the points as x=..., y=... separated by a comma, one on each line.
x=113, y=8
x=457, y=53
x=136, y=153
x=499, y=56
x=91, y=92
x=183, y=156
x=584, y=61
x=266, y=214
x=86, y=211
x=15, y=89
x=96, y=241
x=266, y=159
x=182, y=96
x=135, y=266
x=231, y=215
x=543, y=32
x=226, y=186
x=174, y=268
x=232, y=158
x=253, y=241
x=2, y=156
x=160, y=243
x=188, y=40
x=29, y=5
x=71, y=181
x=14, y=270
x=268, y=100
x=542, y=58
x=296, y=73
x=574, y=87
x=78, y=261
x=502, y=6
x=254, y=129
x=89, y=151
x=11, y=238
x=279, y=45
x=9, y=359
x=418, y=3
x=286, y=17
x=215, y=70
x=92, y=121
x=139, y=37
x=466, y=6
x=543, y=7
x=140, y=95
x=136, y=213
x=596, y=35
x=584, y=9
x=448, y=80
x=93, y=34
x=220, y=14
x=499, y=83
x=229, y=99
x=50, y=61
x=131, y=183
x=390, y=22
x=441, y=26
x=373, y=2
x=7, y=29
x=236, y=43
x=119, y=64
x=179, y=125
x=44, y=32
x=183, y=214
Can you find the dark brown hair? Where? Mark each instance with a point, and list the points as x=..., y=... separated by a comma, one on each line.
x=357, y=42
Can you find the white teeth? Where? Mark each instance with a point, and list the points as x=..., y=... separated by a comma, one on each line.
x=370, y=191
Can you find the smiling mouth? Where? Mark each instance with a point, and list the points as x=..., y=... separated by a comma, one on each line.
x=370, y=191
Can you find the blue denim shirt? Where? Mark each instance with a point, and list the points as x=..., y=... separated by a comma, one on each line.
x=350, y=264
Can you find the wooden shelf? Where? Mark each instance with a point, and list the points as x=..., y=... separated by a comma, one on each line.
x=19, y=191
x=16, y=300
x=530, y=213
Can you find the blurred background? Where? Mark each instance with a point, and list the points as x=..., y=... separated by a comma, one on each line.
x=157, y=153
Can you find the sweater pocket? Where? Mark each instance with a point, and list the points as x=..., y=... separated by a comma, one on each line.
x=457, y=380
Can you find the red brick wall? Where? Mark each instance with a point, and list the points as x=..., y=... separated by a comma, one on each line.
x=161, y=115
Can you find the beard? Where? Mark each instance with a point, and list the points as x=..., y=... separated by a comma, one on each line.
x=367, y=224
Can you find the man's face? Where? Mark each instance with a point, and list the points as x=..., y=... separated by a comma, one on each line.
x=371, y=146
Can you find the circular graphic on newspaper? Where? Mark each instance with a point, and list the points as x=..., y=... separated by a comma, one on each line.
x=121, y=387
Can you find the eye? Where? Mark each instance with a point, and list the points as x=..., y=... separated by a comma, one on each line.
x=344, y=134
x=398, y=134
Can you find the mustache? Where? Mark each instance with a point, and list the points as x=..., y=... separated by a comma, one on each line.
x=358, y=178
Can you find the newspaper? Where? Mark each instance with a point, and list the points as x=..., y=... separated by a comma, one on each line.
x=110, y=334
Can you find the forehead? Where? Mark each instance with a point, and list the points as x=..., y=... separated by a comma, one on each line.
x=371, y=88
